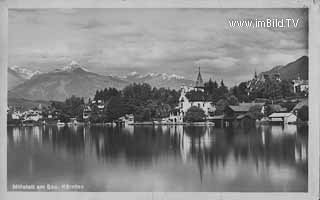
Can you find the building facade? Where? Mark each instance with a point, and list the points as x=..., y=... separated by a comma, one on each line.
x=185, y=102
x=300, y=85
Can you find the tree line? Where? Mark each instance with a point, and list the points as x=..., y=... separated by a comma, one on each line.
x=148, y=103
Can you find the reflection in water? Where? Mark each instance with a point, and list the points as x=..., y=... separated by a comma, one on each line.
x=163, y=158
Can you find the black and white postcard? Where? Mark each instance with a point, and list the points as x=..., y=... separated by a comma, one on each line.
x=160, y=99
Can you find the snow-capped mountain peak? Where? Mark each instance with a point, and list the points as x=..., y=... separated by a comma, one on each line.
x=71, y=67
x=24, y=73
x=163, y=76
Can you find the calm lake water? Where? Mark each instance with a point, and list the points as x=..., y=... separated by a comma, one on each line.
x=159, y=158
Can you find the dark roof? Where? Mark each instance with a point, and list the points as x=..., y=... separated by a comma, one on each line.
x=196, y=96
x=276, y=115
x=244, y=107
x=277, y=108
x=244, y=115
x=220, y=117
x=302, y=103
x=239, y=108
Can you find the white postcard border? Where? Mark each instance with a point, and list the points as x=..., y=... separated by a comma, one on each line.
x=314, y=64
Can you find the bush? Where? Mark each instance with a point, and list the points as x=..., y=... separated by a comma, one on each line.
x=195, y=114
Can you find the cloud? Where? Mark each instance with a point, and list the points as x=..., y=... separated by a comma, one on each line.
x=93, y=23
x=281, y=58
x=169, y=40
x=223, y=62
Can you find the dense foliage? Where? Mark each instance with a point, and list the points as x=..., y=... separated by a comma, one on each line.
x=148, y=103
x=271, y=89
x=71, y=107
x=142, y=100
x=194, y=114
x=303, y=113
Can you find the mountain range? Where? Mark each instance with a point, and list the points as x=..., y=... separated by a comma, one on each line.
x=18, y=75
x=75, y=79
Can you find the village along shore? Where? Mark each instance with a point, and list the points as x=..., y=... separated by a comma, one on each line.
x=266, y=99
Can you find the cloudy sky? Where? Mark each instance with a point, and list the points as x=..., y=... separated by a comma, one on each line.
x=120, y=41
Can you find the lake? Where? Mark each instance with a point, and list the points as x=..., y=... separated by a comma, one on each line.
x=158, y=158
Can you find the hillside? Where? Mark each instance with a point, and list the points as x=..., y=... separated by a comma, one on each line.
x=292, y=70
x=14, y=79
x=63, y=83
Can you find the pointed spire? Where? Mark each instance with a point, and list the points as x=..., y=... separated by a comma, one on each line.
x=255, y=74
x=199, y=81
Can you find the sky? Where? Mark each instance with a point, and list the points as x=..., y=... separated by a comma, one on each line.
x=174, y=41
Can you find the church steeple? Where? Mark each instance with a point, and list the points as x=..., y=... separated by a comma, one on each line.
x=199, y=81
x=255, y=74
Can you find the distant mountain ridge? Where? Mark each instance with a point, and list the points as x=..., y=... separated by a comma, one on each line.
x=292, y=70
x=62, y=83
x=75, y=79
x=18, y=75
x=158, y=80
x=23, y=72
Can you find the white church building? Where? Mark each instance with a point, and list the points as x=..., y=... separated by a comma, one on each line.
x=177, y=115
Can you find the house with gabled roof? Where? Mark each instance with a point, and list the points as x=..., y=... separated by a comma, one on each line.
x=192, y=96
x=283, y=118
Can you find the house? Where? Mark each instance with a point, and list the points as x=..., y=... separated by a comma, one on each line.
x=192, y=96
x=244, y=120
x=300, y=85
x=176, y=116
x=277, y=108
x=127, y=119
x=236, y=116
x=283, y=118
x=32, y=115
x=258, y=80
x=16, y=115
x=100, y=104
x=242, y=108
x=222, y=121
x=86, y=112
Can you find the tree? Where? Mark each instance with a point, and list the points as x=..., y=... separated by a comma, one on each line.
x=255, y=111
x=210, y=87
x=286, y=88
x=222, y=89
x=221, y=106
x=195, y=114
x=117, y=107
x=241, y=92
x=71, y=107
x=233, y=100
x=303, y=113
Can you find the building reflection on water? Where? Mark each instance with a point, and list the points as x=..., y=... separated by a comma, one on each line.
x=210, y=148
x=209, y=144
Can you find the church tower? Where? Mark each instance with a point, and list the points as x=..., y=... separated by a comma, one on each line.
x=199, y=81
